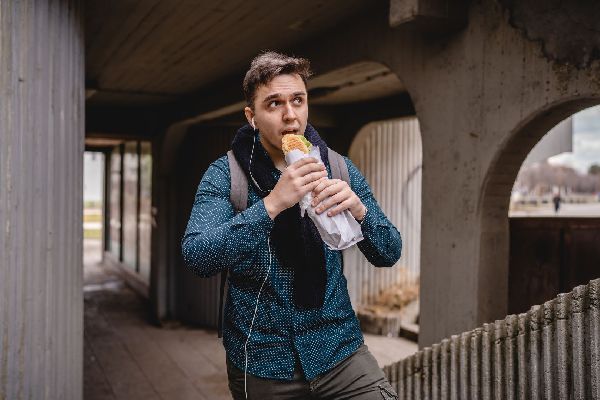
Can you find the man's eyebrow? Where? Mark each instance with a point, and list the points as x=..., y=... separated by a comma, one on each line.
x=278, y=95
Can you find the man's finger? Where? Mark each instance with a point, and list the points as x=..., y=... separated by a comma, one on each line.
x=309, y=187
x=308, y=168
x=318, y=190
x=344, y=205
x=330, y=201
x=330, y=190
x=322, y=186
x=304, y=161
x=313, y=176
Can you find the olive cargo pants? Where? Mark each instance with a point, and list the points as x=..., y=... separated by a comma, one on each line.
x=357, y=377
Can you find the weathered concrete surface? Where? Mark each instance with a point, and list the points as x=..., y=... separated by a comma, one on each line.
x=484, y=97
x=434, y=16
x=472, y=97
x=41, y=199
x=569, y=31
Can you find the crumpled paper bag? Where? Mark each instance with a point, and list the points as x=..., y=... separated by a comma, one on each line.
x=338, y=232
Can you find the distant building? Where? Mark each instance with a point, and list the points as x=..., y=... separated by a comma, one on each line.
x=558, y=140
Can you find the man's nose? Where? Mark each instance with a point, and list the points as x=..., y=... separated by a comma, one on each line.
x=289, y=113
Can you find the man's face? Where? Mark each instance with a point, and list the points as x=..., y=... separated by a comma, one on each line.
x=280, y=107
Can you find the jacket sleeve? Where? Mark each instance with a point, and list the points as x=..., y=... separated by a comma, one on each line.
x=382, y=243
x=216, y=238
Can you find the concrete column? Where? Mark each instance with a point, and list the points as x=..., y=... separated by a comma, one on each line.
x=41, y=199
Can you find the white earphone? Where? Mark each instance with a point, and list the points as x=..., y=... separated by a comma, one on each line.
x=253, y=124
x=254, y=317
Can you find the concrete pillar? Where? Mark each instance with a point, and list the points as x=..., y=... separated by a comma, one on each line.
x=41, y=199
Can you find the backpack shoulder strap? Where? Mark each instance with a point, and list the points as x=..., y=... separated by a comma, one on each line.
x=339, y=169
x=239, y=184
x=239, y=198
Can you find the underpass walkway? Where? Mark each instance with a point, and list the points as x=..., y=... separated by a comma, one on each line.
x=126, y=357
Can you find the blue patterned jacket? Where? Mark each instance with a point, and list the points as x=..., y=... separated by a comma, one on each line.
x=217, y=238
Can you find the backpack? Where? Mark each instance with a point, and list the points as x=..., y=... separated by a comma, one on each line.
x=239, y=198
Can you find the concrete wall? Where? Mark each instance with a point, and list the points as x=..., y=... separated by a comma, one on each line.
x=472, y=95
x=41, y=199
x=484, y=96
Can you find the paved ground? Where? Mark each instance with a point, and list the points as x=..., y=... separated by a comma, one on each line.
x=128, y=358
x=566, y=210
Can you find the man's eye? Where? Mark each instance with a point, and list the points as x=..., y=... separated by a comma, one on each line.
x=273, y=103
x=298, y=100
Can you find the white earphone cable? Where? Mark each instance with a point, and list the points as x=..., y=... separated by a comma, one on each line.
x=250, y=166
x=266, y=277
x=254, y=317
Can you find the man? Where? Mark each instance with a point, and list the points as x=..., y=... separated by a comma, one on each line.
x=290, y=330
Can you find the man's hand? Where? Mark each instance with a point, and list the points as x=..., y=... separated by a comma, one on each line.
x=297, y=180
x=330, y=192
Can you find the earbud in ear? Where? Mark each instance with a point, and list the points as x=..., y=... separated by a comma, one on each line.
x=253, y=124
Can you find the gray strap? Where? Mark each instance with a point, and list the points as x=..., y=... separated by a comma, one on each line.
x=239, y=198
x=339, y=169
x=239, y=184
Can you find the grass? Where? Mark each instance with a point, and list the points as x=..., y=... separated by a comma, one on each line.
x=92, y=233
x=92, y=204
x=92, y=218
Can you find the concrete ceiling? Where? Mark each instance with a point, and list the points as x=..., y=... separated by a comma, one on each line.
x=357, y=82
x=154, y=51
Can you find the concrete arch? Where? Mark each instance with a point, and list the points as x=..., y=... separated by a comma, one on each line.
x=350, y=96
x=496, y=190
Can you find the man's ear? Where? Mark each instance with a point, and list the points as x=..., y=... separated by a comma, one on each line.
x=250, y=116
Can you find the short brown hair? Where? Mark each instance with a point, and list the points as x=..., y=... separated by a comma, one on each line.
x=267, y=66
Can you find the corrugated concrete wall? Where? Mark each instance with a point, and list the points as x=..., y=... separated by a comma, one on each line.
x=197, y=298
x=389, y=154
x=550, y=352
x=41, y=199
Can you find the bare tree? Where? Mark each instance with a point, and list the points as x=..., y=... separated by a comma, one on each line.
x=541, y=179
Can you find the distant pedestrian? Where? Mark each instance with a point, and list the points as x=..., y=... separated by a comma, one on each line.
x=556, y=199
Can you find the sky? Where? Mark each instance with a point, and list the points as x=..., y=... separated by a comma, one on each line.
x=586, y=141
x=93, y=164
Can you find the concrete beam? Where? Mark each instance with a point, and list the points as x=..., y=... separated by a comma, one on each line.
x=117, y=121
x=225, y=96
x=439, y=16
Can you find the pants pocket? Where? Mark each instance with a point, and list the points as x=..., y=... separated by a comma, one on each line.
x=387, y=392
x=236, y=381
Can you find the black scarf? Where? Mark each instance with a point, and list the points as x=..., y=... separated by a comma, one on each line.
x=297, y=242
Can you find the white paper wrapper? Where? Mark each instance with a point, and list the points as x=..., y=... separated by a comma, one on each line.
x=338, y=232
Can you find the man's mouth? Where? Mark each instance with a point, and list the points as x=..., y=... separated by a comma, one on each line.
x=290, y=131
